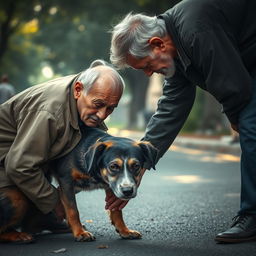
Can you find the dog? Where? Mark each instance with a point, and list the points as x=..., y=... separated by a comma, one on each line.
x=99, y=161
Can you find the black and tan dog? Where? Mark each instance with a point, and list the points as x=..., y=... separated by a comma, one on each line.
x=98, y=161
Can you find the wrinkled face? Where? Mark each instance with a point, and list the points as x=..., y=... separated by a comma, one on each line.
x=121, y=170
x=99, y=102
x=159, y=62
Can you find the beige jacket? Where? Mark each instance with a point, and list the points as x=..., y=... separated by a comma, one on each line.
x=36, y=126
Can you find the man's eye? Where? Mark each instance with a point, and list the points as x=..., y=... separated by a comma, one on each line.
x=111, y=109
x=98, y=105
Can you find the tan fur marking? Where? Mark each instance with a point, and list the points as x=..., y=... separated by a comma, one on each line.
x=131, y=161
x=19, y=203
x=72, y=216
x=112, y=178
x=108, y=144
x=116, y=218
x=77, y=175
x=118, y=161
x=104, y=174
x=137, y=143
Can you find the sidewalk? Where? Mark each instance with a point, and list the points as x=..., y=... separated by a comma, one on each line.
x=219, y=144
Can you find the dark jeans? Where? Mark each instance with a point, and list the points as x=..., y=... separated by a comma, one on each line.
x=247, y=133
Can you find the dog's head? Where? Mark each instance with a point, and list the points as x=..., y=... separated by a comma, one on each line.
x=119, y=162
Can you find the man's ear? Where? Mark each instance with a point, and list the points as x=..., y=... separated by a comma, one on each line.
x=156, y=42
x=78, y=89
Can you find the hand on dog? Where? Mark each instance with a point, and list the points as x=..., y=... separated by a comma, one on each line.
x=114, y=203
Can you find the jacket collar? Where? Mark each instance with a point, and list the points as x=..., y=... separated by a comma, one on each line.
x=73, y=106
x=184, y=59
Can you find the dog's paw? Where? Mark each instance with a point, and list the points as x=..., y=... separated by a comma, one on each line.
x=84, y=236
x=130, y=234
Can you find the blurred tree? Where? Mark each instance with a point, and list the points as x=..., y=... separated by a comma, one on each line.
x=138, y=84
x=65, y=36
x=14, y=14
x=19, y=56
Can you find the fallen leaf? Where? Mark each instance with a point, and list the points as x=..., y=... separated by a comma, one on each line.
x=60, y=250
x=103, y=246
x=89, y=221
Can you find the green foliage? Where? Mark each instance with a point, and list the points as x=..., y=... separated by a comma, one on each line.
x=192, y=122
x=66, y=35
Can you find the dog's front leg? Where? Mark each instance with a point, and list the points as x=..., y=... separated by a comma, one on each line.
x=116, y=218
x=68, y=200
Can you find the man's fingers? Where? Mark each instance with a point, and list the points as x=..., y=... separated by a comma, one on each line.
x=110, y=202
x=117, y=204
x=113, y=204
x=122, y=205
x=110, y=198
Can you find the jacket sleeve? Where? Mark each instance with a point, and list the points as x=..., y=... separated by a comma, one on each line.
x=217, y=57
x=27, y=155
x=173, y=109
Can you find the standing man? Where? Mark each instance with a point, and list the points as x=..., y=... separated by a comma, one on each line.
x=43, y=123
x=6, y=89
x=211, y=44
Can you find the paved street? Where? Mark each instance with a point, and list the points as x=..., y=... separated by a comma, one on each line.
x=179, y=208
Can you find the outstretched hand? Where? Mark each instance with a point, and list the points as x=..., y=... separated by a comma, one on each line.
x=235, y=127
x=114, y=203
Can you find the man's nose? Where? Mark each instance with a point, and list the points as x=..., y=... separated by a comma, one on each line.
x=102, y=113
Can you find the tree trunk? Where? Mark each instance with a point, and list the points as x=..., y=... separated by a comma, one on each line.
x=6, y=30
x=138, y=84
x=212, y=120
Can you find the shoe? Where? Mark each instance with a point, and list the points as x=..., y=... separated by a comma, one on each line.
x=243, y=229
x=45, y=222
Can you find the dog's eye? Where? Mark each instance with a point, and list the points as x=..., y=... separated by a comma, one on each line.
x=114, y=167
x=135, y=166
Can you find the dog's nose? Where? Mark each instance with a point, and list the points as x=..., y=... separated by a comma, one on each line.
x=127, y=191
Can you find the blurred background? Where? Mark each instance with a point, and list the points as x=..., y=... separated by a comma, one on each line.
x=44, y=39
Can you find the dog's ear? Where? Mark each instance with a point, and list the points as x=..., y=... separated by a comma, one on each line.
x=149, y=152
x=93, y=156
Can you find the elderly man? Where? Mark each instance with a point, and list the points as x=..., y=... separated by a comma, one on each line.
x=211, y=44
x=43, y=123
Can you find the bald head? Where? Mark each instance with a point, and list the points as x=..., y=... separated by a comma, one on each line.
x=101, y=70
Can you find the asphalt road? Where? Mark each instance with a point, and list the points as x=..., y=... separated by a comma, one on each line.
x=179, y=209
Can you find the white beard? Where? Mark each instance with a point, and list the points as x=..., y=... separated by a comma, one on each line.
x=169, y=72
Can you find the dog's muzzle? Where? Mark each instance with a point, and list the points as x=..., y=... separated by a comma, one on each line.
x=127, y=191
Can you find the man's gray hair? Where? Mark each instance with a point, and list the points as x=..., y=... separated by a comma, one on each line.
x=90, y=75
x=131, y=36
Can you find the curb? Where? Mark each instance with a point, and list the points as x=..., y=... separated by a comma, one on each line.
x=219, y=145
